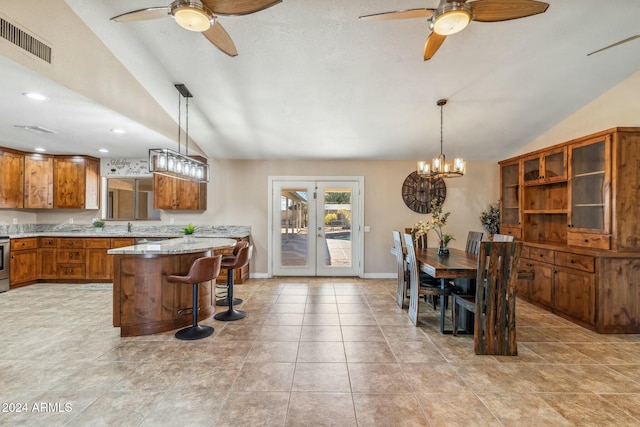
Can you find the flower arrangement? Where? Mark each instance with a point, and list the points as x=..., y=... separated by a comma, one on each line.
x=438, y=220
x=490, y=219
x=188, y=230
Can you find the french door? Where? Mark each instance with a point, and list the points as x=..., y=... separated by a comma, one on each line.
x=315, y=227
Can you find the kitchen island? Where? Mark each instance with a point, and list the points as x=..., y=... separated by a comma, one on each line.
x=144, y=302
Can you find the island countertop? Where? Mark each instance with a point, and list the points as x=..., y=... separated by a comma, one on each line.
x=175, y=246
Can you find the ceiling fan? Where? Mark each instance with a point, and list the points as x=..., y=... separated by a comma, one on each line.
x=453, y=16
x=201, y=16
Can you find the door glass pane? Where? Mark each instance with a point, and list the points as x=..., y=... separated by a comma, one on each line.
x=554, y=165
x=337, y=227
x=293, y=227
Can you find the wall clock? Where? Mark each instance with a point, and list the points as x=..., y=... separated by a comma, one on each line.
x=418, y=192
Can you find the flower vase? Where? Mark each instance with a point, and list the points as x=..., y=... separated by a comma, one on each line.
x=188, y=238
x=442, y=250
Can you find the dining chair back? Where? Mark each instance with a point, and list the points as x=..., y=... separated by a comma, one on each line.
x=420, y=287
x=503, y=238
x=420, y=242
x=495, y=314
x=473, y=241
x=401, y=292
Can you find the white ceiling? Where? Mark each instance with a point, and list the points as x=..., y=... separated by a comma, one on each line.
x=311, y=81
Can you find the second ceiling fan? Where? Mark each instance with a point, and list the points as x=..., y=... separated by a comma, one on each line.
x=451, y=16
x=200, y=16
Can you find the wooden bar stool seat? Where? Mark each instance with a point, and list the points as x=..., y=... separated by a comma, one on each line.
x=202, y=270
x=242, y=259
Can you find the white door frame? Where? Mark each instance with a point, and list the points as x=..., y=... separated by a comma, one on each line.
x=358, y=198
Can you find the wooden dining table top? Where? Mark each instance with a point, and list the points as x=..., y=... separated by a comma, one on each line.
x=458, y=264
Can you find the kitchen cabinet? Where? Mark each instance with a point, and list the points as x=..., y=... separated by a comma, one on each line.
x=76, y=182
x=175, y=194
x=24, y=259
x=11, y=178
x=38, y=181
x=545, y=167
x=99, y=265
x=47, y=258
x=70, y=258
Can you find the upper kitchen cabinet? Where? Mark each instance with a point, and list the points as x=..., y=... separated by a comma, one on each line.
x=38, y=181
x=11, y=178
x=176, y=194
x=545, y=167
x=76, y=182
x=510, y=195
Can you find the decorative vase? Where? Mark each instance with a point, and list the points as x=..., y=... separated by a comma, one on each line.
x=188, y=238
x=442, y=250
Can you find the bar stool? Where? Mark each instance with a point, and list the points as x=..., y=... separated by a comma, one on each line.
x=221, y=298
x=242, y=259
x=202, y=270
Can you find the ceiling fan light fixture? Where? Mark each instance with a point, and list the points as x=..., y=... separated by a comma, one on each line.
x=192, y=15
x=451, y=18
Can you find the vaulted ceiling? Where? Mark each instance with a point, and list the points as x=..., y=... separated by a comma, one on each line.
x=311, y=81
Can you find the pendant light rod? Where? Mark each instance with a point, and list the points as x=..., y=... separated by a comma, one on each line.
x=441, y=103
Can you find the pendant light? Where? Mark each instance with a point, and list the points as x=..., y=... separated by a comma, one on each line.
x=165, y=161
x=439, y=167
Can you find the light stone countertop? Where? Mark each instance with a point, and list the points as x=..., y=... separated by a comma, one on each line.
x=174, y=246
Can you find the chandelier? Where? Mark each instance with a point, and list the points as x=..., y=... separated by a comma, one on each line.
x=164, y=161
x=439, y=167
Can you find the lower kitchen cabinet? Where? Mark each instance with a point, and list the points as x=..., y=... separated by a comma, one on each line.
x=24, y=261
x=576, y=294
x=99, y=265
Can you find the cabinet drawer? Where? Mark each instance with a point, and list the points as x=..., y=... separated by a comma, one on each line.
x=47, y=242
x=71, y=256
x=26, y=243
x=579, y=262
x=539, y=254
x=71, y=271
x=526, y=252
x=511, y=231
x=122, y=242
x=98, y=243
x=70, y=243
x=595, y=241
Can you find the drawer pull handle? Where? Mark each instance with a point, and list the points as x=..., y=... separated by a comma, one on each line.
x=586, y=240
x=571, y=261
x=71, y=256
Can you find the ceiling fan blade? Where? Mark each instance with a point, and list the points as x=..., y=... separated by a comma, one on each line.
x=143, y=14
x=400, y=14
x=219, y=37
x=434, y=41
x=504, y=10
x=238, y=7
x=637, y=36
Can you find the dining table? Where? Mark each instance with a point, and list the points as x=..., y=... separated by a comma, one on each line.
x=458, y=264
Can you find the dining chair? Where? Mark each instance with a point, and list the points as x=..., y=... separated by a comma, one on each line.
x=401, y=292
x=503, y=238
x=420, y=242
x=473, y=241
x=420, y=288
x=494, y=304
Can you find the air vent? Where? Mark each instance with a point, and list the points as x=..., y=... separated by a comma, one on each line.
x=24, y=40
x=36, y=129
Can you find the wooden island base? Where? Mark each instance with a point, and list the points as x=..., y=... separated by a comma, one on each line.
x=144, y=302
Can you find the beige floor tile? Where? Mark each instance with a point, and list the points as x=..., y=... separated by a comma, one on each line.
x=589, y=410
x=273, y=351
x=463, y=410
x=321, y=351
x=377, y=378
x=324, y=377
x=267, y=409
x=265, y=377
x=368, y=352
x=321, y=308
x=433, y=378
x=279, y=333
x=188, y=408
x=362, y=333
x=321, y=333
x=523, y=409
x=121, y=408
x=321, y=410
x=388, y=410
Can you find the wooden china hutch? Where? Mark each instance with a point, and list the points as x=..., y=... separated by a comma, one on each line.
x=576, y=207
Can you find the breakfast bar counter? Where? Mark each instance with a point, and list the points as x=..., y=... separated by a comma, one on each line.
x=144, y=302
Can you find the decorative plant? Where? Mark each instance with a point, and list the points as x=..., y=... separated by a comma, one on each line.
x=490, y=219
x=98, y=223
x=188, y=230
x=438, y=220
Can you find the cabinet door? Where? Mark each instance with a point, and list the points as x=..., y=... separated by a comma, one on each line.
x=92, y=184
x=11, y=179
x=24, y=266
x=164, y=192
x=99, y=264
x=188, y=196
x=575, y=294
x=546, y=167
x=47, y=263
x=589, y=187
x=38, y=181
x=69, y=182
x=510, y=194
x=541, y=287
x=522, y=286
x=176, y=194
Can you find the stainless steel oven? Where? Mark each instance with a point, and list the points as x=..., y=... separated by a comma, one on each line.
x=4, y=263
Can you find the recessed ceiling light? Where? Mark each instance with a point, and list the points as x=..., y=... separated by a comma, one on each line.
x=36, y=96
x=118, y=131
x=40, y=149
x=103, y=150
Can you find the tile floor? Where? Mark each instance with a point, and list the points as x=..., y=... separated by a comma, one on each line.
x=311, y=352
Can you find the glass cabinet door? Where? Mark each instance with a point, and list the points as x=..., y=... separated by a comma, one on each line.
x=590, y=181
x=531, y=169
x=555, y=165
x=510, y=197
